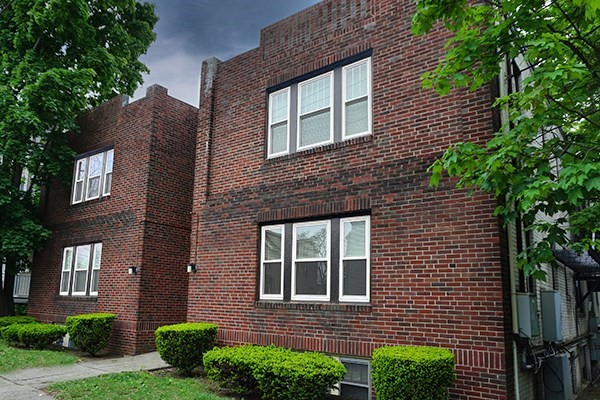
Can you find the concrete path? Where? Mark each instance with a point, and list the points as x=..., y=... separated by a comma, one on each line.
x=27, y=384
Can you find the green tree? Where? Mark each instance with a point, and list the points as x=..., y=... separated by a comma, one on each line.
x=58, y=59
x=545, y=160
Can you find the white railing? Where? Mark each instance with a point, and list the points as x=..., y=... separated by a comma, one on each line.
x=22, y=282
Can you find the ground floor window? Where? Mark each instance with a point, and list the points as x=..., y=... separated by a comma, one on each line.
x=322, y=260
x=80, y=270
x=356, y=384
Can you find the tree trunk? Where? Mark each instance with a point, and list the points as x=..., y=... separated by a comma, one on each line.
x=7, y=303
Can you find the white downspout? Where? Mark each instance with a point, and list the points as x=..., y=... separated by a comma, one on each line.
x=512, y=256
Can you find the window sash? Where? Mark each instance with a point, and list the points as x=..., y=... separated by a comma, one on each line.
x=79, y=182
x=108, y=169
x=275, y=122
x=65, y=276
x=305, y=112
x=296, y=261
x=365, y=257
x=96, y=261
x=350, y=100
x=264, y=262
x=81, y=268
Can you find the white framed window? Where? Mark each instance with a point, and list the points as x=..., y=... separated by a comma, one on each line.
x=279, y=126
x=319, y=108
x=65, y=278
x=311, y=266
x=356, y=89
x=354, y=259
x=315, y=119
x=271, y=264
x=92, y=177
x=81, y=270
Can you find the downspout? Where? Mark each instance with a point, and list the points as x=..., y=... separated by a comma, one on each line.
x=504, y=120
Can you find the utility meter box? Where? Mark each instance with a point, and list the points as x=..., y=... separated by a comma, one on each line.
x=557, y=378
x=552, y=325
x=528, y=315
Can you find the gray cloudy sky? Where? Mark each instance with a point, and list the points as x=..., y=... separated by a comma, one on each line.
x=190, y=31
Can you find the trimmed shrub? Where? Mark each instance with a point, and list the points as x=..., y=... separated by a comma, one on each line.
x=90, y=332
x=19, y=319
x=40, y=336
x=273, y=372
x=183, y=345
x=408, y=372
x=10, y=333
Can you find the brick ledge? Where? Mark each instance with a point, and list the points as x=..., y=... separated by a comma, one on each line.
x=314, y=306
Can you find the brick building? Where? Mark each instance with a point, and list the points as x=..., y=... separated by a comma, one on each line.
x=304, y=210
x=129, y=206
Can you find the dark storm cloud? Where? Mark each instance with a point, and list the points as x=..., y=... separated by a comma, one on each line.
x=189, y=31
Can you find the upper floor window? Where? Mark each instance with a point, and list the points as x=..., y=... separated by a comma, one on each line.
x=93, y=176
x=326, y=108
x=326, y=260
x=81, y=270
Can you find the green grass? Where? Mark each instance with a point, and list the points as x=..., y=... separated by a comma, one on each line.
x=12, y=359
x=132, y=386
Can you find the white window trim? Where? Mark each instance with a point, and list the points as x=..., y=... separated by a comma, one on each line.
x=95, y=268
x=262, y=262
x=369, y=100
x=271, y=123
x=102, y=192
x=357, y=299
x=76, y=181
x=63, y=270
x=331, y=111
x=305, y=297
x=75, y=270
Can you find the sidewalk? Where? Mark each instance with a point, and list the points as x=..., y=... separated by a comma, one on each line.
x=27, y=384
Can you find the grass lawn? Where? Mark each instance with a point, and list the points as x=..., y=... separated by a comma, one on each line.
x=132, y=386
x=12, y=358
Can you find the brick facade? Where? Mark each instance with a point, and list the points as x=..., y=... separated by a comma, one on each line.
x=437, y=275
x=145, y=222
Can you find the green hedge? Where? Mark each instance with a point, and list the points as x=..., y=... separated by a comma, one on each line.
x=408, y=373
x=90, y=332
x=273, y=372
x=40, y=336
x=20, y=319
x=10, y=333
x=183, y=345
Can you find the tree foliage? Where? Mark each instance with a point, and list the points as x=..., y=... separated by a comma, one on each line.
x=58, y=58
x=544, y=163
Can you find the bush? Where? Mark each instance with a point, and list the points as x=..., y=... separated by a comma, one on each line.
x=183, y=345
x=273, y=372
x=10, y=333
x=40, y=336
x=20, y=319
x=90, y=332
x=405, y=373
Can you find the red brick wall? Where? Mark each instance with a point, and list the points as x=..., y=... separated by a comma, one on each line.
x=143, y=223
x=436, y=271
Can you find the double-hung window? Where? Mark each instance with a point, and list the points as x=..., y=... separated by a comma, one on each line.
x=81, y=270
x=92, y=176
x=330, y=105
x=325, y=260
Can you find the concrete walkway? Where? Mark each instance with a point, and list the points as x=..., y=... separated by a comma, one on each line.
x=27, y=384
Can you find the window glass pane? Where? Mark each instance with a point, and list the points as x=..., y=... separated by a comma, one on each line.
x=80, y=281
x=311, y=241
x=315, y=95
x=356, y=373
x=279, y=107
x=95, y=168
x=93, y=187
x=356, y=81
x=94, y=283
x=78, y=191
x=355, y=278
x=107, y=183
x=279, y=138
x=350, y=392
x=311, y=278
x=97, y=255
x=82, y=260
x=354, y=239
x=81, y=164
x=64, y=283
x=357, y=117
x=109, y=160
x=315, y=128
x=68, y=260
x=273, y=244
x=272, y=280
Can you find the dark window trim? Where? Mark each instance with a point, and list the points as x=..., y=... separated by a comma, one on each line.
x=93, y=152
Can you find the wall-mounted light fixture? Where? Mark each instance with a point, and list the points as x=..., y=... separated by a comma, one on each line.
x=191, y=267
x=132, y=270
